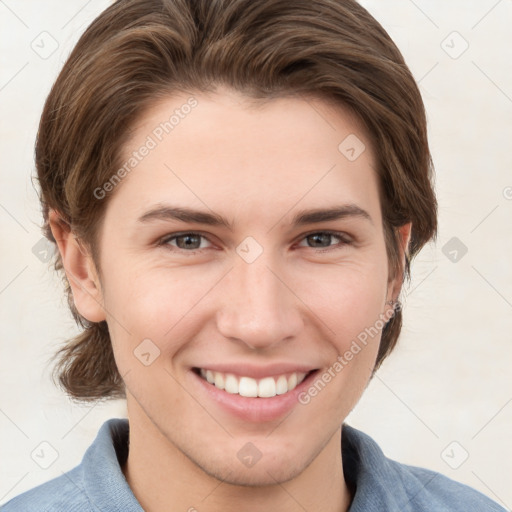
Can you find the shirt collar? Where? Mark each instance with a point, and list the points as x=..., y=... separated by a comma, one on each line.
x=377, y=482
x=103, y=478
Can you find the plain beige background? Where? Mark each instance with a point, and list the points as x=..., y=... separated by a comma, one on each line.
x=444, y=399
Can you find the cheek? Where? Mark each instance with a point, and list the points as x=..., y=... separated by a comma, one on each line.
x=347, y=298
x=150, y=302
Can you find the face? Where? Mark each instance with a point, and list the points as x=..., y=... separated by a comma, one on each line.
x=246, y=248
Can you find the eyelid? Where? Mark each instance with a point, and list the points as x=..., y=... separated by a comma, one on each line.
x=340, y=234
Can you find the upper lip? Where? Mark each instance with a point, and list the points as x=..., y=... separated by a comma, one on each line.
x=258, y=371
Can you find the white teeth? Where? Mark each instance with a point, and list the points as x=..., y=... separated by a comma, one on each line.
x=219, y=380
x=267, y=387
x=282, y=385
x=249, y=387
x=292, y=381
x=231, y=384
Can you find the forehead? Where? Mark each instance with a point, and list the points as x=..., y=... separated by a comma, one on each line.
x=224, y=151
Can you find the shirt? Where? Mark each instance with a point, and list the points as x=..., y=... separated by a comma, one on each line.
x=379, y=484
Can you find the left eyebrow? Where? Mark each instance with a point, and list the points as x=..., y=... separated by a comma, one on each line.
x=327, y=214
x=311, y=216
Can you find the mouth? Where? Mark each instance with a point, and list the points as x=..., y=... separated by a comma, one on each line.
x=266, y=387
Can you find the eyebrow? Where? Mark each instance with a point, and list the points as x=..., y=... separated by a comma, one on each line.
x=303, y=217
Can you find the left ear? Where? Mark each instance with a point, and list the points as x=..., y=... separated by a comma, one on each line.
x=404, y=236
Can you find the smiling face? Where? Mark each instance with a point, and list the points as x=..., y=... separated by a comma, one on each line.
x=246, y=249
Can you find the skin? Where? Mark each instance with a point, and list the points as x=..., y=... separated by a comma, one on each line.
x=257, y=165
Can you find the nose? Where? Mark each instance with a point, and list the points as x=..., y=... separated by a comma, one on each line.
x=259, y=308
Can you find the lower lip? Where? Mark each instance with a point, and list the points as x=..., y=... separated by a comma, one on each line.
x=253, y=409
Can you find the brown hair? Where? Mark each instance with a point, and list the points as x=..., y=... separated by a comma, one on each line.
x=138, y=51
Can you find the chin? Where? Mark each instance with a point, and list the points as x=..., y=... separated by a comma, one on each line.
x=240, y=463
x=260, y=475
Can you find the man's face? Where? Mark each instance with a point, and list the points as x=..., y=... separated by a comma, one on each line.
x=254, y=305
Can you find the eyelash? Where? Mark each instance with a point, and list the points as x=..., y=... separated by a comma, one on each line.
x=343, y=237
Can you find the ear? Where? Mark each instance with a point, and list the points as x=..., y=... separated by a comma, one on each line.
x=404, y=236
x=80, y=270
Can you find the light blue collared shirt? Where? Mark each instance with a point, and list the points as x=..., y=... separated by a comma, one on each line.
x=380, y=484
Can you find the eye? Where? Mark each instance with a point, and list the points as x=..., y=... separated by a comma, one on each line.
x=322, y=240
x=188, y=242
x=192, y=241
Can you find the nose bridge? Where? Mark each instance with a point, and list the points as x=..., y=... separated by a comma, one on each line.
x=258, y=308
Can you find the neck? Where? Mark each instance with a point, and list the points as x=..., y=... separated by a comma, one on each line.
x=162, y=478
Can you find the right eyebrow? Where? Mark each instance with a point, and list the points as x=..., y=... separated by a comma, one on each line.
x=184, y=214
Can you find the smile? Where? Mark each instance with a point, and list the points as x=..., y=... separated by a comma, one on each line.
x=266, y=387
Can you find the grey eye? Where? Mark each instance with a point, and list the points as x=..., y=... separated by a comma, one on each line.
x=186, y=241
x=320, y=239
x=189, y=241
